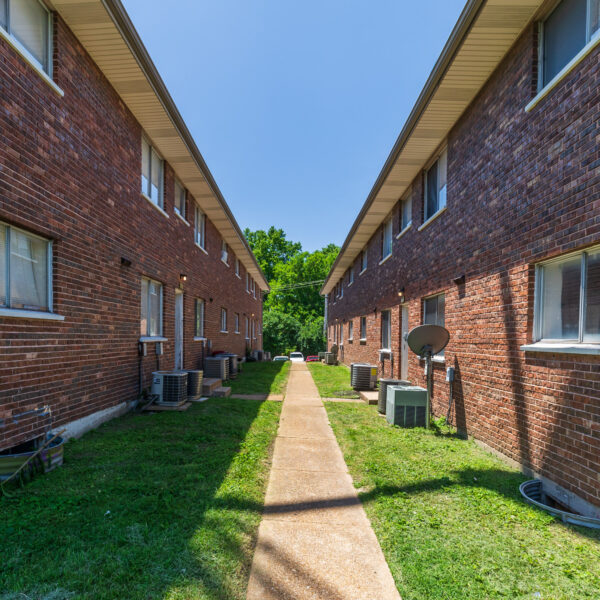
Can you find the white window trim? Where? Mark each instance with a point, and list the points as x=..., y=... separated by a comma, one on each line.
x=156, y=206
x=562, y=348
x=405, y=230
x=432, y=218
x=31, y=60
x=198, y=211
x=201, y=248
x=19, y=313
x=151, y=339
x=199, y=339
x=388, y=222
x=177, y=214
x=160, y=313
x=564, y=72
x=385, y=259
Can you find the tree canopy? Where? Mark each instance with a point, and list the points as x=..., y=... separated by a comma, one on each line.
x=294, y=309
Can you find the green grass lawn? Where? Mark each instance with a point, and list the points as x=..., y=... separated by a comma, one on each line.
x=162, y=506
x=261, y=378
x=333, y=381
x=451, y=520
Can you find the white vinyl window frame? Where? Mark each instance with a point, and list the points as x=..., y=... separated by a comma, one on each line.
x=350, y=330
x=247, y=282
x=341, y=288
x=363, y=329
x=247, y=328
x=199, y=309
x=237, y=267
x=199, y=228
x=440, y=164
x=148, y=333
x=7, y=308
x=43, y=66
x=351, y=275
x=254, y=288
x=386, y=239
x=253, y=329
x=237, y=322
x=224, y=320
x=180, y=199
x=224, y=252
x=386, y=330
x=363, y=261
x=155, y=161
x=405, y=215
x=538, y=311
x=440, y=316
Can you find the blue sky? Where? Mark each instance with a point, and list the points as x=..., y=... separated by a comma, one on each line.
x=295, y=105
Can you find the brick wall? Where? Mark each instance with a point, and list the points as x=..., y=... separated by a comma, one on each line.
x=70, y=171
x=522, y=187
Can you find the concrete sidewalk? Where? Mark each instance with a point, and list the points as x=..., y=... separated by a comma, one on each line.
x=315, y=541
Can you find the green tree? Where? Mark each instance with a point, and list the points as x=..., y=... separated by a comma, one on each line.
x=280, y=333
x=271, y=248
x=311, y=339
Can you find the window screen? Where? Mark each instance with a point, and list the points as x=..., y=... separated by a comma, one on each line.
x=29, y=24
x=28, y=271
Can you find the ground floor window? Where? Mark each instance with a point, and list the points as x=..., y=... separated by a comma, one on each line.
x=199, y=318
x=25, y=268
x=386, y=330
x=434, y=312
x=237, y=322
x=223, y=320
x=363, y=328
x=568, y=299
x=151, y=318
x=350, y=330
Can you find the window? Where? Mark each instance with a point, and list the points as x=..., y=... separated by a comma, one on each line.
x=341, y=288
x=253, y=329
x=29, y=23
x=237, y=322
x=434, y=312
x=224, y=253
x=254, y=288
x=152, y=296
x=237, y=267
x=386, y=239
x=223, y=320
x=247, y=329
x=200, y=227
x=25, y=267
x=405, y=213
x=351, y=275
x=386, y=330
x=435, y=186
x=363, y=260
x=570, y=26
x=341, y=334
x=568, y=299
x=247, y=282
x=179, y=199
x=363, y=328
x=199, y=323
x=152, y=174
x=350, y=330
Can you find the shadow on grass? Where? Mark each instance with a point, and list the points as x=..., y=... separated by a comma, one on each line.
x=148, y=506
x=261, y=378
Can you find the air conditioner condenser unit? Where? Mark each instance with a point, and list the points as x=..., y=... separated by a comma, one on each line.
x=170, y=386
x=406, y=406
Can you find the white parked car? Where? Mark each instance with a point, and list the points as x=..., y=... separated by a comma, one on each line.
x=297, y=357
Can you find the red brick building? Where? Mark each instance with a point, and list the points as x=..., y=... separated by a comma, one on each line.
x=112, y=229
x=486, y=219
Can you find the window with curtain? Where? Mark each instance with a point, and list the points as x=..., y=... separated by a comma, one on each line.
x=435, y=186
x=199, y=318
x=200, y=227
x=24, y=270
x=386, y=329
x=151, y=313
x=29, y=22
x=568, y=299
x=568, y=28
x=179, y=199
x=152, y=174
x=386, y=240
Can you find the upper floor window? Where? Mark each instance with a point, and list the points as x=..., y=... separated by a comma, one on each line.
x=199, y=324
x=386, y=329
x=341, y=289
x=29, y=24
x=350, y=330
x=405, y=213
x=237, y=267
x=200, y=227
x=223, y=320
x=151, y=317
x=570, y=26
x=179, y=199
x=253, y=329
x=152, y=173
x=363, y=328
x=224, y=253
x=237, y=322
x=247, y=282
x=568, y=299
x=386, y=239
x=254, y=288
x=351, y=275
x=25, y=267
x=363, y=260
x=435, y=186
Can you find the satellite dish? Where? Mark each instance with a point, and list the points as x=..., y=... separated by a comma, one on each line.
x=426, y=339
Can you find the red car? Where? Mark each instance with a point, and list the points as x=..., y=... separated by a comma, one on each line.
x=312, y=359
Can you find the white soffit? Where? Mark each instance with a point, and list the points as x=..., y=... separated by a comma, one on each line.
x=483, y=35
x=106, y=33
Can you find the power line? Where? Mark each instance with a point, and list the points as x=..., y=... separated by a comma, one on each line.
x=295, y=286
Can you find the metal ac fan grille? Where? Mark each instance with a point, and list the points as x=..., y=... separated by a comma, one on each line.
x=174, y=388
